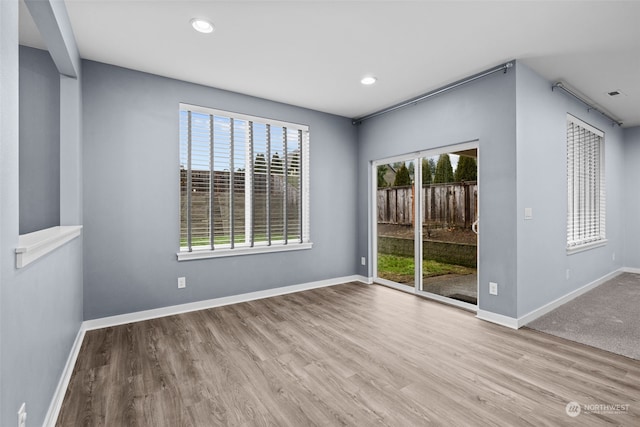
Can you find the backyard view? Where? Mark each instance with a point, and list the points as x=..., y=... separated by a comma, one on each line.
x=447, y=211
x=240, y=182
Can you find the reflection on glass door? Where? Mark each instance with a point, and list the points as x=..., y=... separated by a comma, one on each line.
x=426, y=224
x=395, y=205
x=449, y=209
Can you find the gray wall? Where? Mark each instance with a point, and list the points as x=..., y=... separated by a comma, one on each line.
x=131, y=202
x=131, y=197
x=521, y=127
x=542, y=186
x=632, y=197
x=40, y=305
x=483, y=110
x=39, y=141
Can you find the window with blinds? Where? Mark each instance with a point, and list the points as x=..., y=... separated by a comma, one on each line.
x=586, y=190
x=244, y=182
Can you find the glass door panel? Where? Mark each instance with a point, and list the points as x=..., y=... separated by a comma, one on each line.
x=449, y=209
x=395, y=206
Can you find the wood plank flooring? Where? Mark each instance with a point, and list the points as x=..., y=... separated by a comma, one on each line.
x=350, y=354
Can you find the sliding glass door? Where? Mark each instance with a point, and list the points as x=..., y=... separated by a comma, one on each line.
x=396, y=235
x=449, y=210
x=426, y=223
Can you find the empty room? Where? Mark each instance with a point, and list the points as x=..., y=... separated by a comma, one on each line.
x=301, y=213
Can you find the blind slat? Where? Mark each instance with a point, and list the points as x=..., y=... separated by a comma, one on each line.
x=585, y=184
x=249, y=187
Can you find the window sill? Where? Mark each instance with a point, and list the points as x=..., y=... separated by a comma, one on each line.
x=35, y=245
x=219, y=253
x=586, y=247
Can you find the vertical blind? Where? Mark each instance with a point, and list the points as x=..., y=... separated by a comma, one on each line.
x=586, y=190
x=243, y=181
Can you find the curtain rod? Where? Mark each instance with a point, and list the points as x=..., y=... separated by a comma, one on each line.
x=504, y=67
x=563, y=86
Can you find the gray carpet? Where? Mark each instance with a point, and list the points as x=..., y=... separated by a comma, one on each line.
x=607, y=317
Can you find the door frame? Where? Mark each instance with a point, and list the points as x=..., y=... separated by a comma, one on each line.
x=373, y=221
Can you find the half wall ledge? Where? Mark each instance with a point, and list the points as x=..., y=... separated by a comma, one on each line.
x=32, y=246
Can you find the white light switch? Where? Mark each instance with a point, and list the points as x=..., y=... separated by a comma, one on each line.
x=493, y=288
x=528, y=213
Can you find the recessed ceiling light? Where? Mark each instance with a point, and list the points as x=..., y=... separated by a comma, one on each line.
x=368, y=80
x=202, y=25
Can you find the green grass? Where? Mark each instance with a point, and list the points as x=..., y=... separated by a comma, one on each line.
x=401, y=269
x=225, y=240
x=204, y=241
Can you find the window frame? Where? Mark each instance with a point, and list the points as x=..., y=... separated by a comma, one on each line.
x=581, y=191
x=249, y=246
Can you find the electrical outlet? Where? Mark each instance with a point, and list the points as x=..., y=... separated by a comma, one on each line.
x=22, y=415
x=493, y=288
x=568, y=274
x=363, y=261
x=182, y=282
x=613, y=256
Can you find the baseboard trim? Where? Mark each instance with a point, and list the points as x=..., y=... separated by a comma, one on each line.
x=509, y=322
x=58, y=397
x=514, y=323
x=87, y=325
x=138, y=316
x=63, y=383
x=533, y=315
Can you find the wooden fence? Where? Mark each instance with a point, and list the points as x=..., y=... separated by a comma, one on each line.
x=222, y=212
x=450, y=205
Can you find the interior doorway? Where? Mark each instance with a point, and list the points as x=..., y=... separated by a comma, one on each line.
x=425, y=222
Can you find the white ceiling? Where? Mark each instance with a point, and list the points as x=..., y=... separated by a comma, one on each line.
x=313, y=53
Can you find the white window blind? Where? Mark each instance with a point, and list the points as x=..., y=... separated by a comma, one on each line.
x=586, y=189
x=244, y=181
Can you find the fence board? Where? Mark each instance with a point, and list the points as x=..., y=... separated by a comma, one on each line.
x=450, y=204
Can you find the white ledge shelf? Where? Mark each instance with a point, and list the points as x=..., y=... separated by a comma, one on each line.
x=219, y=253
x=34, y=245
x=586, y=247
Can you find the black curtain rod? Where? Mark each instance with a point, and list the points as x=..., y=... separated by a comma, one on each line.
x=504, y=67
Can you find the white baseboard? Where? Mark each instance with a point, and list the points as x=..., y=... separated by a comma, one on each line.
x=138, y=316
x=533, y=315
x=63, y=383
x=509, y=322
x=514, y=323
x=58, y=397
x=366, y=280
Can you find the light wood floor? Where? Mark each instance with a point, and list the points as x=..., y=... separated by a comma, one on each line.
x=350, y=354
